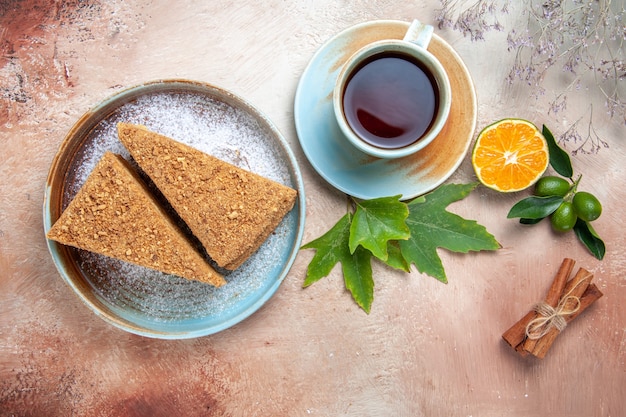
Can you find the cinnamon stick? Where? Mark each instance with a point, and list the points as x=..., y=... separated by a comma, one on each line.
x=574, y=289
x=591, y=294
x=516, y=335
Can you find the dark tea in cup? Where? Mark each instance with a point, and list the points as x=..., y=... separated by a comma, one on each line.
x=392, y=97
x=390, y=100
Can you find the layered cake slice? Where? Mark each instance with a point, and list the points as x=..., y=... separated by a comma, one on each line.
x=114, y=214
x=230, y=210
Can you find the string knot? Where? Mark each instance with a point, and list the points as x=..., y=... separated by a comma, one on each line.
x=549, y=317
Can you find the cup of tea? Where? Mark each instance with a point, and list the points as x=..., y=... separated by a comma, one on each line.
x=392, y=97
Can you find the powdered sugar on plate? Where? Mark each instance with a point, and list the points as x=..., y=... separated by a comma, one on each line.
x=219, y=124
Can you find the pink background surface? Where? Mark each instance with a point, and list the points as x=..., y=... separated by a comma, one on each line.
x=425, y=349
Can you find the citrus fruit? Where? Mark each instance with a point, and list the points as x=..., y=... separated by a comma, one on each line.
x=510, y=155
x=587, y=206
x=564, y=217
x=548, y=186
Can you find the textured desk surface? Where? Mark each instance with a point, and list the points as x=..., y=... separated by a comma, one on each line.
x=426, y=349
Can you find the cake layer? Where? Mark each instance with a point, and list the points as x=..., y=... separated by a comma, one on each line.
x=230, y=210
x=114, y=214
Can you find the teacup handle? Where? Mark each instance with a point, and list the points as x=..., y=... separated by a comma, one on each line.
x=419, y=33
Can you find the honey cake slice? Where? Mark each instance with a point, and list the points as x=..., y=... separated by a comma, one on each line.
x=230, y=210
x=114, y=214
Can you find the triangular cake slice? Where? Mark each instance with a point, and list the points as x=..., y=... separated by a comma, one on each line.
x=231, y=211
x=114, y=214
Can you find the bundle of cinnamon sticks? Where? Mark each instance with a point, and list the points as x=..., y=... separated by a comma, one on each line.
x=566, y=298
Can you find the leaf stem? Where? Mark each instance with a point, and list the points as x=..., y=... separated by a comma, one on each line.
x=350, y=204
x=570, y=194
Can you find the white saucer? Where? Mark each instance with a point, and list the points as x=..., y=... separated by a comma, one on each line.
x=354, y=172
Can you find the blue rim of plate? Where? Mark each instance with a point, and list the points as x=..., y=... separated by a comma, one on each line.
x=352, y=171
x=190, y=317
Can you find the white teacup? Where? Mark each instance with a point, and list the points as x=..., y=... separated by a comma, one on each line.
x=392, y=97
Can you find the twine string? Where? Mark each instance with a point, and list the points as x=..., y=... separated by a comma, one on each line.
x=549, y=317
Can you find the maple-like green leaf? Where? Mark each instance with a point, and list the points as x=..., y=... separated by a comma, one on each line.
x=353, y=240
x=376, y=222
x=432, y=227
x=357, y=276
x=395, y=259
x=333, y=247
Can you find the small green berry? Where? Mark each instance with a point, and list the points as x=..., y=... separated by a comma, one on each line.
x=550, y=185
x=587, y=206
x=564, y=217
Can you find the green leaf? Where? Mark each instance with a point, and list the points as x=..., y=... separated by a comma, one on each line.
x=535, y=207
x=395, y=259
x=410, y=237
x=588, y=236
x=376, y=222
x=433, y=227
x=357, y=275
x=530, y=221
x=332, y=248
x=559, y=159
